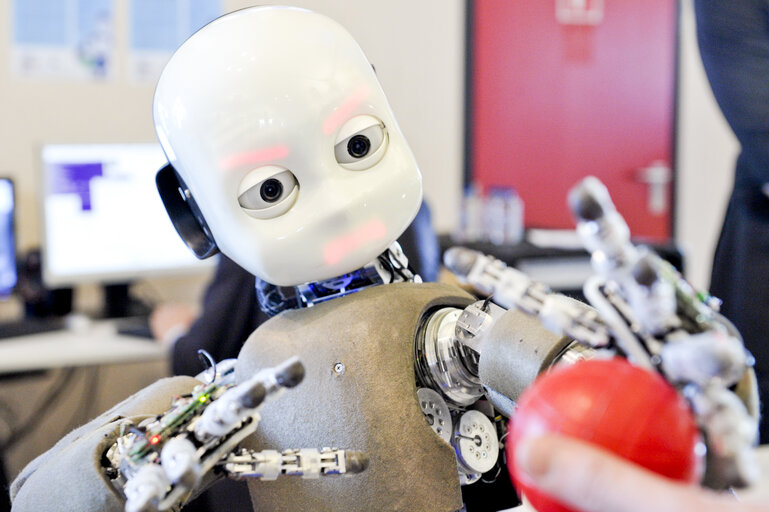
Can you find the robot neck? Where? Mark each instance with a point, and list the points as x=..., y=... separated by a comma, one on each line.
x=392, y=266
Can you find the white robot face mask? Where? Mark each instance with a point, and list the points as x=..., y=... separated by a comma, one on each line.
x=275, y=120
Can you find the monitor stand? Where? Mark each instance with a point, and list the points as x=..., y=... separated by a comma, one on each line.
x=118, y=302
x=132, y=314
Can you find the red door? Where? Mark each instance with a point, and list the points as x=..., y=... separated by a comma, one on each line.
x=561, y=89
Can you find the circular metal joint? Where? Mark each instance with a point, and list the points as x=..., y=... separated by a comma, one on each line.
x=476, y=443
x=436, y=412
x=440, y=362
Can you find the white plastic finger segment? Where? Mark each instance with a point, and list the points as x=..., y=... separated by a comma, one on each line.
x=180, y=461
x=145, y=490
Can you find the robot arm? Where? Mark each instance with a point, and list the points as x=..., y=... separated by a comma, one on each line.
x=643, y=310
x=159, y=461
x=497, y=347
x=476, y=361
x=487, y=350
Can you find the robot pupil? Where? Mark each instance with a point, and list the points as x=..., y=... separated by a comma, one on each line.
x=358, y=146
x=271, y=190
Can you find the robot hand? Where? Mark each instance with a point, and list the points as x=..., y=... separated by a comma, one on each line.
x=659, y=321
x=162, y=462
x=643, y=310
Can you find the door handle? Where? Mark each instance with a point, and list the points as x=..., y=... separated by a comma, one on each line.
x=657, y=175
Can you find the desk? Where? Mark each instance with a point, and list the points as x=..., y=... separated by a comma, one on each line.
x=109, y=367
x=96, y=343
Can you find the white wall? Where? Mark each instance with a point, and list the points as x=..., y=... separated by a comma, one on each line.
x=707, y=151
x=418, y=51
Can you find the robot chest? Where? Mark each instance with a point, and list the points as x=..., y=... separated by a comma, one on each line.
x=359, y=393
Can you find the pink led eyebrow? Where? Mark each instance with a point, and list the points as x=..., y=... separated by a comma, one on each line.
x=346, y=109
x=260, y=156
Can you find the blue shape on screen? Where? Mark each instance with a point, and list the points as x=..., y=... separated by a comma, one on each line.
x=76, y=179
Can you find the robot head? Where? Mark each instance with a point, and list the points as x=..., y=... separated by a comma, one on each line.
x=275, y=121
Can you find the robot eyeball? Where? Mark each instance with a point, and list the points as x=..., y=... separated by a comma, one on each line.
x=268, y=191
x=361, y=143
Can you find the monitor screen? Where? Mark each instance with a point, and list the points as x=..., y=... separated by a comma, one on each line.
x=7, y=239
x=103, y=220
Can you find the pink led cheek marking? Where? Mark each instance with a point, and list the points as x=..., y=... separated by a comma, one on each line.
x=260, y=156
x=336, y=250
x=345, y=110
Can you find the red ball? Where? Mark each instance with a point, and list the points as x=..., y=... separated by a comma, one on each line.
x=627, y=410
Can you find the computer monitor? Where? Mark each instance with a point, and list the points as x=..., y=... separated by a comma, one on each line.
x=8, y=274
x=103, y=220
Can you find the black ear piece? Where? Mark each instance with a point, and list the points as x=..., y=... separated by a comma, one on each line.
x=184, y=213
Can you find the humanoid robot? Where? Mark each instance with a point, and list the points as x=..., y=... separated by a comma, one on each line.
x=285, y=155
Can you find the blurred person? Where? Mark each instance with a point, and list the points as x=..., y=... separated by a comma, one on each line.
x=733, y=38
x=227, y=316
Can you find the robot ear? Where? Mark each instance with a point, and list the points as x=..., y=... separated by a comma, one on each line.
x=184, y=213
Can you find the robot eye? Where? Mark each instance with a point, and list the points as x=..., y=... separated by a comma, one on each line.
x=268, y=191
x=361, y=143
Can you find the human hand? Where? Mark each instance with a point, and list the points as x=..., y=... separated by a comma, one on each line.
x=592, y=480
x=169, y=321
